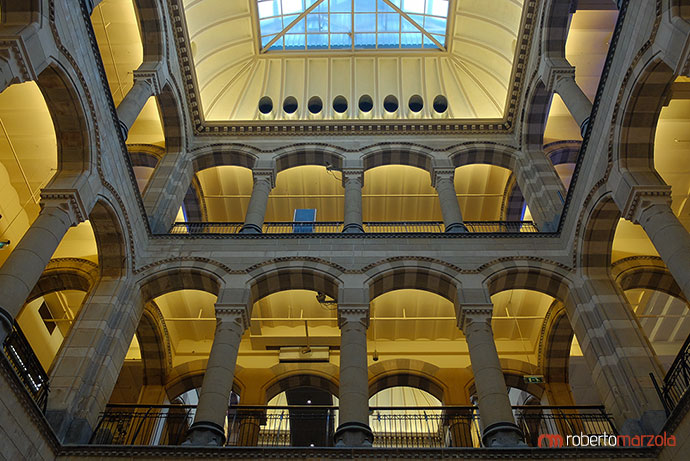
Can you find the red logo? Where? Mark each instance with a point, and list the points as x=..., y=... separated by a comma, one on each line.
x=550, y=441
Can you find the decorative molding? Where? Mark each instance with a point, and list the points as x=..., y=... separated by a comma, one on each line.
x=642, y=197
x=233, y=313
x=67, y=200
x=469, y=314
x=353, y=314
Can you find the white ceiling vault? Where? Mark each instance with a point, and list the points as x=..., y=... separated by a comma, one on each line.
x=472, y=71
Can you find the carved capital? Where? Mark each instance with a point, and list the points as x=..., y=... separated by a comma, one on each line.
x=265, y=174
x=353, y=174
x=153, y=74
x=67, y=200
x=232, y=314
x=642, y=197
x=16, y=57
x=552, y=71
x=353, y=314
x=474, y=313
x=442, y=174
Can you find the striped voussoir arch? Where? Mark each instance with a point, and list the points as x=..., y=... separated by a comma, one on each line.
x=152, y=36
x=301, y=155
x=301, y=380
x=648, y=272
x=223, y=155
x=293, y=275
x=405, y=372
x=412, y=276
x=527, y=275
x=556, y=23
x=513, y=201
x=145, y=155
x=193, y=203
x=154, y=345
x=557, y=340
x=397, y=154
x=487, y=154
x=561, y=152
x=65, y=274
x=181, y=278
x=636, y=142
x=597, y=238
x=681, y=8
x=110, y=239
x=537, y=111
x=171, y=118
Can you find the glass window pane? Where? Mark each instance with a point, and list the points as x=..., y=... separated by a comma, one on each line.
x=365, y=40
x=266, y=39
x=417, y=19
x=269, y=8
x=341, y=23
x=406, y=26
x=389, y=22
x=437, y=7
x=317, y=22
x=383, y=7
x=339, y=41
x=389, y=41
x=293, y=6
x=317, y=41
x=435, y=25
x=365, y=23
x=298, y=28
x=413, y=6
x=278, y=45
x=294, y=41
x=411, y=40
x=288, y=19
x=364, y=6
x=341, y=6
x=271, y=26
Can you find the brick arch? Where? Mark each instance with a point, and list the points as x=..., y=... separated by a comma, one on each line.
x=648, y=272
x=301, y=155
x=397, y=154
x=65, y=274
x=181, y=278
x=110, y=237
x=539, y=276
x=634, y=149
x=294, y=275
x=301, y=379
x=409, y=276
x=484, y=153
x=190, y=375
x=406, y=372
x=151, y=29
x=72, y=128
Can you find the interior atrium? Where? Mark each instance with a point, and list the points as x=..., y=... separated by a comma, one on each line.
x=373, y=229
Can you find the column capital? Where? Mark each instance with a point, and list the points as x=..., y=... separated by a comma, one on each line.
x=265, y=174
x=470, y=314
x=552, y=71
x=642, y=197
x=152, y=73
x=232, y=314
x=440, y=174
x=14, y=53
x=352, y=174
x=67, y=200
x=353, y=314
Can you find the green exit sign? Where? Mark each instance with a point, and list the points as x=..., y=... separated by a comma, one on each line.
x=534, y=378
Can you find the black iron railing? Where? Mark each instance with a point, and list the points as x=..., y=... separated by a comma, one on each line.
x=26, y=364
x=393, y=427
x=434, y=227
x=677, y=381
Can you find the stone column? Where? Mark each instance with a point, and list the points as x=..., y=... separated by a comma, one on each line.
x=575, y=99
x=28, y=260
x=542, y=188
x=352, y=182
x=497, y=421
x=211, y=413
x=669, y=236
x=147, y=82
x=354, y=430
x=442, y=180
x=264, y=182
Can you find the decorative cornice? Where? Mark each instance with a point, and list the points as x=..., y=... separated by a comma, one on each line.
x=353, y=314
x=67, y=200
x=641, y=197
x=469, y=314
x=350, y=127
x=14, y=52
x=233, y=314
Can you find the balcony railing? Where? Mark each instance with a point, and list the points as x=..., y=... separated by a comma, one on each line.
x=677, y=381
x=434, y=227
x=304, y=426
x=26, y=364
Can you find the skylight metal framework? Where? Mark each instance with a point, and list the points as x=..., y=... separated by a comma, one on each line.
x=350, y=25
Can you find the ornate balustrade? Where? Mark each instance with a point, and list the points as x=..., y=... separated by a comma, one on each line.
x=27, y=366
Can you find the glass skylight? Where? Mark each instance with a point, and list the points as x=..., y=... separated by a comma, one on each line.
x=352, y=24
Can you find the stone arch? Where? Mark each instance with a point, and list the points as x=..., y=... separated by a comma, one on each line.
x=182, y=278
x=294, y=275
x=540, y=276
x=513, y=200
x=484, y=153
x=600, y=220
x=555, y=343
x=65, y=274
x=300, y=379
x=214, y=156
x=560, y=152
x=190, y=375
x=412, y=276
x=634, y=149
x=406, y=372
x=110, y=240
x=300, y=155
x=145, y=155
x=515, y=381
x=152, y=336
x=72, y=129
x=555, y=27
x=397, y=154
x=151, y=28
x=171, y=118
x=536, y=113
x=648, y=272
x=680, y=9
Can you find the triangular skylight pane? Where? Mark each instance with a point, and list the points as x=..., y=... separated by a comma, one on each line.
x=352, y=24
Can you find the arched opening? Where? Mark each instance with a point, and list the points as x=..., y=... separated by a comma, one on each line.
x=481, y=191
x=225, y=193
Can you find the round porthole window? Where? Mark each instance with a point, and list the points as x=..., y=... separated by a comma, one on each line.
x=265, y=105
x=290, y=105
x=315, y=105
x=340, y=104
x=366, y=103
x=440, y=104
x=416, y=103
x=390, y=103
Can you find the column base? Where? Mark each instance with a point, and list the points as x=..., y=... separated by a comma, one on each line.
x=502, y=435
x=205, y=433
x=456, y=228
x=250, y=229
x=353, y=434
x=353, y=228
